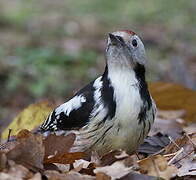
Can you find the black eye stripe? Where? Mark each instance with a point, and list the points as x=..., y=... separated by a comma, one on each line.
x=134, y=42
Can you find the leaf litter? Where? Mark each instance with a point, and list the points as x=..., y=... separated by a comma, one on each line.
x=27, y=160
x=167, y=153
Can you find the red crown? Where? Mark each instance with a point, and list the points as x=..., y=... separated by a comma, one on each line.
x=129, y=32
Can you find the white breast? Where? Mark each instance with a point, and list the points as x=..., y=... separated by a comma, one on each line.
x=128, y=104
x=127, y=97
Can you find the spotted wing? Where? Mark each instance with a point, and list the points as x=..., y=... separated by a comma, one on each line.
x=74, y=113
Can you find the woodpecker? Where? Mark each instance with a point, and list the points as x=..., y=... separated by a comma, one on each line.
x=116, y=110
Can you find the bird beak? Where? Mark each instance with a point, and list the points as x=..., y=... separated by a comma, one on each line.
x=115, y=39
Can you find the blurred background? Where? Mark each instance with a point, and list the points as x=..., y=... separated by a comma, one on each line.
x=49, y=49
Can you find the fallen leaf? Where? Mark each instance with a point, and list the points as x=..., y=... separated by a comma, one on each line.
x=168, y=127
x=29, y=118
x=102, y=176
x=58, y=145
x=52, y=166
x=66, y=158
x=170, y=96
x=18, y=172
x=153, y=144
x=3, y=161
x=115, y=171
x=80, y=164
x=137, y=176
x=95, y=158
x=54, y=175
x=30, y=150
x=188, y=166
x=57, y=149
x=89, y=170
x=37, y=176
x=184, y=158
x=112, y=156
x=62, y=167
x=191, y=128
x=157, y=166
x=181, y=142
x=6, y=176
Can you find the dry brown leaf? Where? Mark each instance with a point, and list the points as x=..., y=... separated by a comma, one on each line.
x=30, y=149
x=51, y=167
x=84, y=167
x=181, y=142
x=157, y=166
x=115, y=171
x=54, y=175
x=113, y=156
x=184, y=158
x=102, y=176
x=88, y=171
x=24, y=133
x=58, y=145
x=170, y=96
x=37, y=176
x=3, y=161
x=57, y=149
x=66, y=158
x=167, y=127
x=18, y=172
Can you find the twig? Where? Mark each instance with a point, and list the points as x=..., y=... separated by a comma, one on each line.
x=159, y=152
x=177, y=154
x=171, y=154
x=174, y=142
x=184, y=157
x=194, y=145
x=9, y=134
x=137, y=155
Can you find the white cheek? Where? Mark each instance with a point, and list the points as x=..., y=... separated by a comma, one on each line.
x=139, y=54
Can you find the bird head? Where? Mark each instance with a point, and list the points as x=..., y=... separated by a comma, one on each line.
x=125, y=48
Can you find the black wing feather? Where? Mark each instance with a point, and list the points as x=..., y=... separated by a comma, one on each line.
x=77, y=117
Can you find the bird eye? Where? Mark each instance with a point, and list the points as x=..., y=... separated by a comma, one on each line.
x=134, y=42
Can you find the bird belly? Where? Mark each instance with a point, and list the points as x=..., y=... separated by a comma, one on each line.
x=126, y=132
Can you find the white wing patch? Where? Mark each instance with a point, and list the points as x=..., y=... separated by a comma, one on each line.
x=72, y=104
x=97, y=85
x=66, y=108
x=98, y=106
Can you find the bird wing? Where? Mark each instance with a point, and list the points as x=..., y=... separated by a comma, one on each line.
x=74, y=113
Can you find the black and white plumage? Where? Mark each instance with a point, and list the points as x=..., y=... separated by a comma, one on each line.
x=115, y=111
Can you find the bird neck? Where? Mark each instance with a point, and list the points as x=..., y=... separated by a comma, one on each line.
x=140, y=75
x=122, y=73
x=119, y=75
